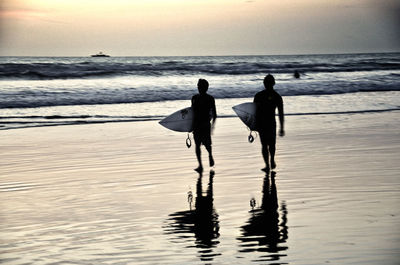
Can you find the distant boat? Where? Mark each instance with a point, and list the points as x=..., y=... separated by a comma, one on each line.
x=100, y=54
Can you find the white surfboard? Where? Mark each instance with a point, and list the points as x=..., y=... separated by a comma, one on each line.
x=180, y=121
x=247, y=114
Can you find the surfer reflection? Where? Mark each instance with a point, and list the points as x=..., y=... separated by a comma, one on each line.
x=266, y=231
x=202, y=221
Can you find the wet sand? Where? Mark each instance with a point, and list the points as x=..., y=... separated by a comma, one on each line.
x=120, y=194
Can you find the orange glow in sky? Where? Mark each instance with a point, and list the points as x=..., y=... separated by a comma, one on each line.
x=196, y=27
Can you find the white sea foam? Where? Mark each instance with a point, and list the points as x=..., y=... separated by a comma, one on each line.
x=46, y=91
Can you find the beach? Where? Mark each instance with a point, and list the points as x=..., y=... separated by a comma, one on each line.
x=119, y=193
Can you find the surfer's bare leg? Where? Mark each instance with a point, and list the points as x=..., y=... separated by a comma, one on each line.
x=198, y=155
x=210, y=157
x=272, y=153
x=265, y=154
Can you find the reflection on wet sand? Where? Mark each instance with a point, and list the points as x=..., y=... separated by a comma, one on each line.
x=266, y=230
x=202, y=221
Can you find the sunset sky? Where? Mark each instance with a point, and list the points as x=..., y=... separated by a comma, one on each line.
x=197, y=27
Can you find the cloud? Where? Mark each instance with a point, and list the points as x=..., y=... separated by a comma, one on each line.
x=19, y=10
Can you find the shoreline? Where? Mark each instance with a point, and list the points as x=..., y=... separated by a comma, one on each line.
x=219, y=117
x=341, y=104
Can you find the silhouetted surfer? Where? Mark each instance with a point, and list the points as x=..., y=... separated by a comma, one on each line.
x=204, y=111
x=267, y=101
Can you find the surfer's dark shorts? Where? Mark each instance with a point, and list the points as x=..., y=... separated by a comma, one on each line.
x=268, y=137
x=202, y=136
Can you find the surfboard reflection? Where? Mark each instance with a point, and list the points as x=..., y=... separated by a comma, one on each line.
x=266, y=231
x=202, y=221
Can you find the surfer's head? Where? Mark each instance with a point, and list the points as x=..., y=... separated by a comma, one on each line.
x=269, y=81
x=202, y=85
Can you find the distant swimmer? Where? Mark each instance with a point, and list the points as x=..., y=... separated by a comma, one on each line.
x=296, y=74
x=204, y=111
x=267, y=101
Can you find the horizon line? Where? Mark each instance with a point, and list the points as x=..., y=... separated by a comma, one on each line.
x=226, y=55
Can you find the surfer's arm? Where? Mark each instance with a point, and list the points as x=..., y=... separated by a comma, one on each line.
x=281, y=118
x=194, y=112
x=192, y=101
x=255, y=99
x=213, y=111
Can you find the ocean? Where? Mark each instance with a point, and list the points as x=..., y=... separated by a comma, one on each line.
x=54, y=91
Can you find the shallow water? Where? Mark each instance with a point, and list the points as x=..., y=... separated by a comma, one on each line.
x=119, y=194
x=53, y=91
x=349, y=103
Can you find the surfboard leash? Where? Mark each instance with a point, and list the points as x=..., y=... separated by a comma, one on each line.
x=188, y=141
x=251, y=137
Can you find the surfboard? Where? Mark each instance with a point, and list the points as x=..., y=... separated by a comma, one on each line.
x=247, y=114
x=179, y=121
